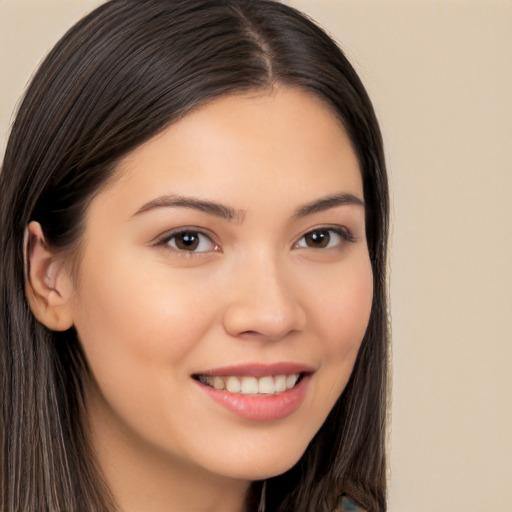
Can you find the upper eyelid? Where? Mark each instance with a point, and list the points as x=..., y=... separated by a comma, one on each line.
x=345, y=235
x=163, y=242
x=337, y=228
x=167, y=235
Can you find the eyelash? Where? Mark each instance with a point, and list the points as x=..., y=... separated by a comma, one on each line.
x=344, y=235
x=166, y=239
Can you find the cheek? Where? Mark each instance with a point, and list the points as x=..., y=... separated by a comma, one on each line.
x=343, y=312
x=138, y=330
x=130, y=323
x=346, y=334
x=343, y=309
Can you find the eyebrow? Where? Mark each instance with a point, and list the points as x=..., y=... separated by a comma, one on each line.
x=203, y=205
x=327, y=203
x=229, y=213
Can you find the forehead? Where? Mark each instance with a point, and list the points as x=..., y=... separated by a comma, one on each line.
x=288, y=141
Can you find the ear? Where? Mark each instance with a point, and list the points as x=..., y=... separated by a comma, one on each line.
x=48, y=285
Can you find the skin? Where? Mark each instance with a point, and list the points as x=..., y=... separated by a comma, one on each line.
x=149, y=315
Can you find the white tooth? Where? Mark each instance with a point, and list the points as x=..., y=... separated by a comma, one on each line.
x=249, y=386
x=291, y=380
x=266, y=386
x=280, y=383
x=218, y=382
x=233, y=385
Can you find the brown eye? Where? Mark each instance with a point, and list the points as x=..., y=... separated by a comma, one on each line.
x=187, y=241
x=324, y=238
x=318, y=239
x=190, y=241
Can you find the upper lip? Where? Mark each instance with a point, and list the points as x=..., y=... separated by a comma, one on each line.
x=259, y=369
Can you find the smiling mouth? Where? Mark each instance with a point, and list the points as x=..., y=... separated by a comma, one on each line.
x=250, y=385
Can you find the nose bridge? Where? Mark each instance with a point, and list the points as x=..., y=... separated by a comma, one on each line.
x=263, y=300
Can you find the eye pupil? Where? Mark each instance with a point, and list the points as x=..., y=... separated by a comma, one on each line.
x=318, y=239
x=187, y=241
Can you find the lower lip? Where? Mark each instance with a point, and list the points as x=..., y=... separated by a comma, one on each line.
x=261, y=407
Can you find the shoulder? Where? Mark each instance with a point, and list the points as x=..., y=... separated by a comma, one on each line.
x=347, y=504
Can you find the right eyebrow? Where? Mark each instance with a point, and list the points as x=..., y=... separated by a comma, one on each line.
x=211, y=207
x=325, y=203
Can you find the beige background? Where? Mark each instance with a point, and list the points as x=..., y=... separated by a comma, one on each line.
x=440, y=75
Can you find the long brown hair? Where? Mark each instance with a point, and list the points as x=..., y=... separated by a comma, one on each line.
x=118, y=77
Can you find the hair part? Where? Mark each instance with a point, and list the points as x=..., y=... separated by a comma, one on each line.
x=119, y=77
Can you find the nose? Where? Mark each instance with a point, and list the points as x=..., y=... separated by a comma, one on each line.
x=264, y=302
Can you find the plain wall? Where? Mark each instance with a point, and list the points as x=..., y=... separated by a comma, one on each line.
x=440, y=75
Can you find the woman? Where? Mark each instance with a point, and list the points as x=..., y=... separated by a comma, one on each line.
x=193, y=234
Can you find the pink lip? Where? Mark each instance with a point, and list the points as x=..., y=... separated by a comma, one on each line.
x=259, y=370
x=261, y=407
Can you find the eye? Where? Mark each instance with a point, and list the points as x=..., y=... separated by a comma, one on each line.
x=324, y=238
x=189, y=241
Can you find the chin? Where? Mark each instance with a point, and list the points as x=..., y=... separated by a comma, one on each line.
x=265, y=463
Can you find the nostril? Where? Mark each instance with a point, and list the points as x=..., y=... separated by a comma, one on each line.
x=250, y=333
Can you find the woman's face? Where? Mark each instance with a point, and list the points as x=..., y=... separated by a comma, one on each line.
x=225, y=286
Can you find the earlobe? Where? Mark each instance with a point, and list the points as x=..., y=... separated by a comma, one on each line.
x=47, y=283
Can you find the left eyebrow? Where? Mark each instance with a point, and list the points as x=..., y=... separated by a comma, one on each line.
x=325, y=203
